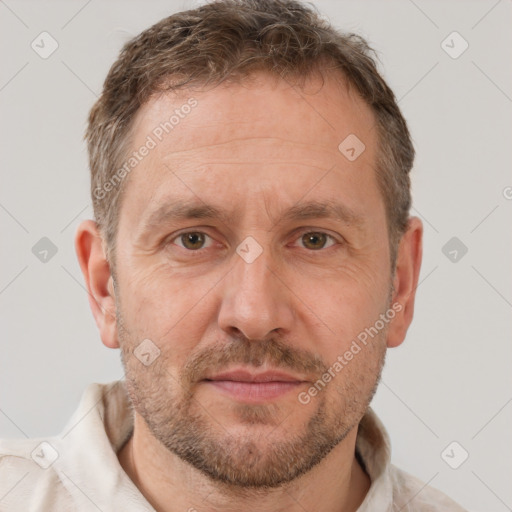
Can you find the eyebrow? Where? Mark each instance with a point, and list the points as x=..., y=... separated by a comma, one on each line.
x=184, y=210
x=323, y=210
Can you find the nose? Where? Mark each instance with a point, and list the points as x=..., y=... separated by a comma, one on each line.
x=256, y=300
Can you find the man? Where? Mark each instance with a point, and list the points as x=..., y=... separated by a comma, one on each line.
x=253, y=257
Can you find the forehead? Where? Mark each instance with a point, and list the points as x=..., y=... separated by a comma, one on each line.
x=261, y=135
x=322, y=112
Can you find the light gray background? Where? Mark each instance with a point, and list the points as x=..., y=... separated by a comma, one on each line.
x=449, y=381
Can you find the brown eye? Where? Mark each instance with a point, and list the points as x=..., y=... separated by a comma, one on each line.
x=315, y=241
x=193, y=240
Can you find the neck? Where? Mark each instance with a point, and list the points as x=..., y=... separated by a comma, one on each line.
x=337, y=483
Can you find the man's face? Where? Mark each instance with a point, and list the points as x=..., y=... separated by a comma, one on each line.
x=248, y=241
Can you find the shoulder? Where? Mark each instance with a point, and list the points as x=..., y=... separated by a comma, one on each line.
x=410, y=494
x=27, y=476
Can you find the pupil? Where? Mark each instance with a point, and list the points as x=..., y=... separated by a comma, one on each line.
x=315, y=240
x=193, y=240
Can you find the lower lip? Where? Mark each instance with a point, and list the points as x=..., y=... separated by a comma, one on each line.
x=254, y=391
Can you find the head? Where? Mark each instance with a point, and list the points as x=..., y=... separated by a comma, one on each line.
x=250, y=183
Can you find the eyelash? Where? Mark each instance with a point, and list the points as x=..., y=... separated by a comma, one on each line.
x=301, y=234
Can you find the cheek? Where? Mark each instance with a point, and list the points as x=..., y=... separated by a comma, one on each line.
x=341, y=305
x=167, y=308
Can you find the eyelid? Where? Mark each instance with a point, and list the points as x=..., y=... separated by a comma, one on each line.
x=304, y=231
x=178, y=235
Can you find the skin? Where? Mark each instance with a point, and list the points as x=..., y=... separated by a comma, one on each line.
x=252, y=150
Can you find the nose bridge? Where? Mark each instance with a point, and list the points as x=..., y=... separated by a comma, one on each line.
x=254, y=300
x=254, y=277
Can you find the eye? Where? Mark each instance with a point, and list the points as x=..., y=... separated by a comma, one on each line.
x=193, y=240
x=317, y=240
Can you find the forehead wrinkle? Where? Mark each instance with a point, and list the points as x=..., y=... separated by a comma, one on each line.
x=250, y=142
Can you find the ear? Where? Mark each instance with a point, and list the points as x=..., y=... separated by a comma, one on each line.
x=95, y=267
x=407, y=273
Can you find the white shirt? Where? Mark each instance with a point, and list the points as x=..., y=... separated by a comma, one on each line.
x=79, y=470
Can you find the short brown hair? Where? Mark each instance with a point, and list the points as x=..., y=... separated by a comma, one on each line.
x=230, y=40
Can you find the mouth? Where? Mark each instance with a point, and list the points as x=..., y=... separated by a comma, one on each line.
x=252, y=387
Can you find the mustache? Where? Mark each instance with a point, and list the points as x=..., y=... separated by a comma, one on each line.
x=256, y=353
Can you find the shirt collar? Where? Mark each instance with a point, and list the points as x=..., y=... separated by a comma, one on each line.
x=89, y=444
x=374, y=448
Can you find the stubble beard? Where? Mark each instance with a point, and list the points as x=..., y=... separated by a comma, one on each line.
x=272, y=453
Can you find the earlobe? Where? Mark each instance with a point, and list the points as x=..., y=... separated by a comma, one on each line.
x=406, y=281
x=95, y=268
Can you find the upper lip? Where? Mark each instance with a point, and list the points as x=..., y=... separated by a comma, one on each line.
x=247, y=376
